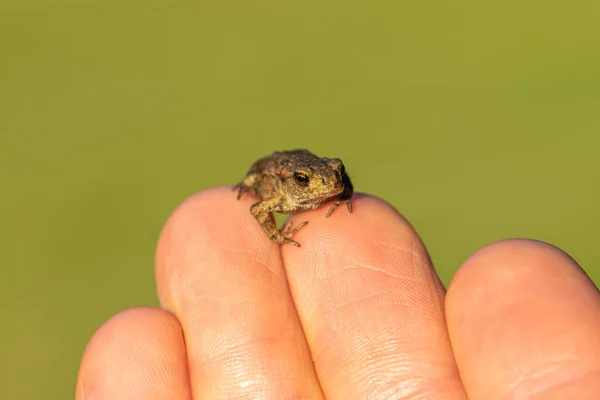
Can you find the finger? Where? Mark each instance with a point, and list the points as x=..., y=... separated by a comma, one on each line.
x=137, y=354
x=525, y=323
x=223, y=278
x=371, y=305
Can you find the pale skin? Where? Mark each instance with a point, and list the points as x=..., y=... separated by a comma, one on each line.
x=356, y=312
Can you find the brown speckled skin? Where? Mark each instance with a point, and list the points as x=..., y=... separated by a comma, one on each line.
x=294, y=180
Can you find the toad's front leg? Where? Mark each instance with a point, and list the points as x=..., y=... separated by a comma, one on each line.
x=262, y=212
x=345, y=196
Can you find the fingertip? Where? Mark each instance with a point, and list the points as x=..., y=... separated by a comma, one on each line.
x=504, y=262
x=516, y=249
x=370, y=303
x=222, y=276
x=523, y=317
x=210, y=204
x=212, y=221
x=138, y=353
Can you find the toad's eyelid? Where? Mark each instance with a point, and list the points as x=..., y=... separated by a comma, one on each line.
x=307, y=171
x=335, y=163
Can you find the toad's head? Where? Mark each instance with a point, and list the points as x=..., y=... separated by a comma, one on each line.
x=309, y=183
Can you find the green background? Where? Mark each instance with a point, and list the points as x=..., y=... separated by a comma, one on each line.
x=477, y=120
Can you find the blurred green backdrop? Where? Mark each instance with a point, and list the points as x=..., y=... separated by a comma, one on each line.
x=477, y=120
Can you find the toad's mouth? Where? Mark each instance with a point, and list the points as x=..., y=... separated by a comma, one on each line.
x=322, y=197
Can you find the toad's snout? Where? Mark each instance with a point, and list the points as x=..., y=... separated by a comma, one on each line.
x=330, y=183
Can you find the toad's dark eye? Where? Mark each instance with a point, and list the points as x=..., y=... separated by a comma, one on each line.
x=342, y=170
x=301, y=179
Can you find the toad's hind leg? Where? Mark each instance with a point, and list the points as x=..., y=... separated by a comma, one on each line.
x=248, y=185
x=242, y=189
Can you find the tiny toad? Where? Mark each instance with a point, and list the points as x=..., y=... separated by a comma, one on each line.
x=290, y=181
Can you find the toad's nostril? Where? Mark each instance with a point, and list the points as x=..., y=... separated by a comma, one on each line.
x=323, y=180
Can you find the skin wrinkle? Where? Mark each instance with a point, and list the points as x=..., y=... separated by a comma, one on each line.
x=342, y=274
x=392, y=249
x=372, y=268
x=248, y=280
x=383, y=356
x=388, y=261
x=243, y=380
x=438, y=293
x=192, y=316
x=357, y=300
x=226, y=356
x=412, y=389
x=417, y=265
x=399, y=283
x=250, y=257
x=380, y=349
x=373, y=375
x=420, y=256
x=197, y=317
x=215, y=303
x=552, y=388
x=422, y=386
x=552, y=372
x=325, y=241
x=395, y=392
x=324, y=304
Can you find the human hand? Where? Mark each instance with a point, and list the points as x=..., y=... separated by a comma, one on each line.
x=356, y=312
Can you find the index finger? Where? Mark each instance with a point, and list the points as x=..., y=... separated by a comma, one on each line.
x=224, y=280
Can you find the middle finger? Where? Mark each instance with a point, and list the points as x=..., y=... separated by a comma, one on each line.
x=371, y=305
